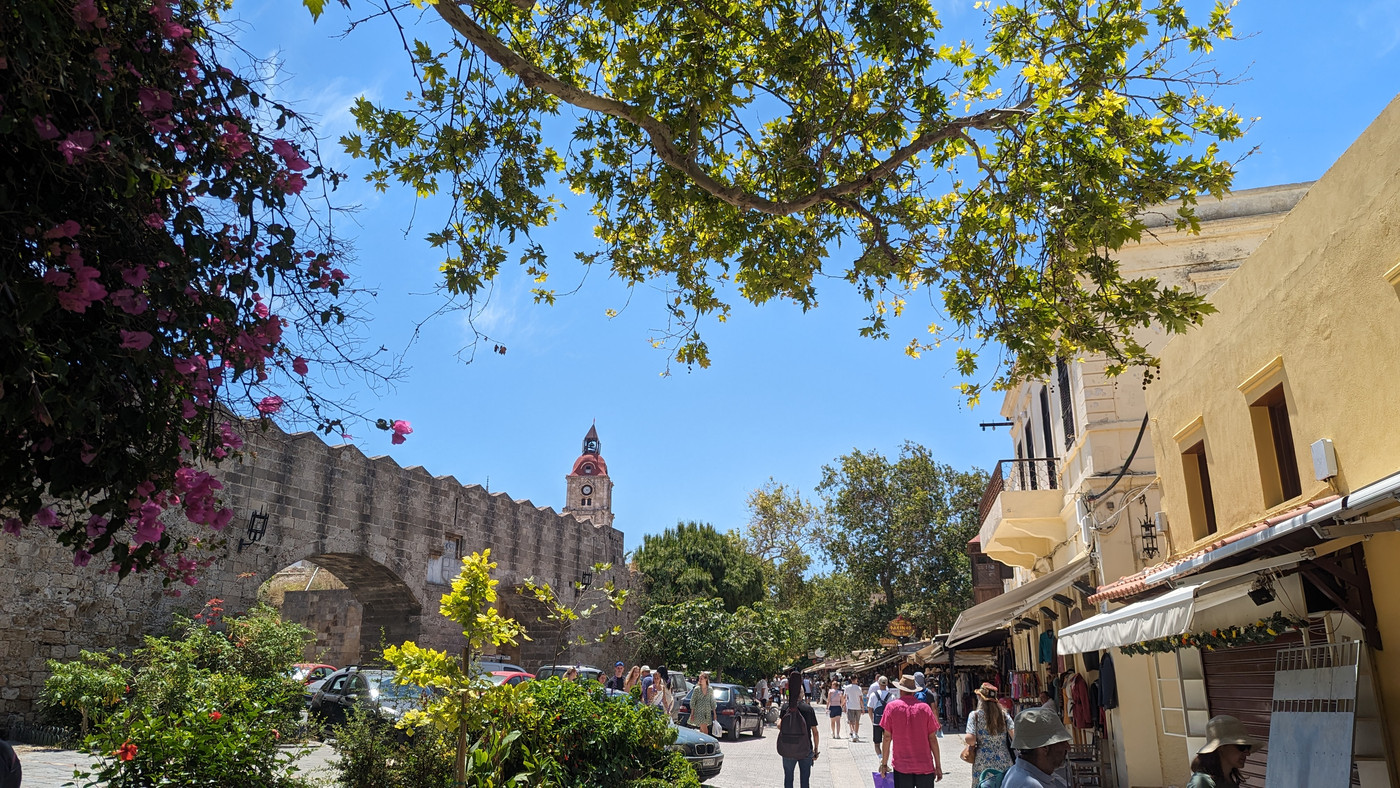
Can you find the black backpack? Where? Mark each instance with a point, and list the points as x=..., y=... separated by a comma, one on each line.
x=794, y=737
x=877, y=712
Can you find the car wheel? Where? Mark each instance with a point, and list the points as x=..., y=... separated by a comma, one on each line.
x=732, y=734
x=758, y=729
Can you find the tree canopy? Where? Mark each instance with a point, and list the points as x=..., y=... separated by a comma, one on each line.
x=782, y=533
x=762, y=146
x=163, y=272
x=694, y=561
x=900, y=530
x=741, y=645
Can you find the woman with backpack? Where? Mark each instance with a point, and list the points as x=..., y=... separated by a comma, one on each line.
x=988, y=737
x=798, y=737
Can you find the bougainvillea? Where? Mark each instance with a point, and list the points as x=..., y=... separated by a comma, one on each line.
x=1265, y=630
x=164, y=275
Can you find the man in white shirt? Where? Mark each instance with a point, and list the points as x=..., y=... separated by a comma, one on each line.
x=855, y=707
x=875, y=700
x=1041, y=744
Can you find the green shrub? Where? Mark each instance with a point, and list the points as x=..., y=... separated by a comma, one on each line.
x=84, y=691
x=373, y=754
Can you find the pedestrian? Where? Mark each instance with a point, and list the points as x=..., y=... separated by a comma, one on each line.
x=799, y=740
x=648, y=679
x=855, y=707
x=702, y=703
x=1048, y=702
x=661, y=696
x=617, y=681
x=634, y=676
x=875, y=701
x=1041, y=744
x=571, y=674
x=1218, y=763
x=10, y=770
x=910, y=743
x=836, y=706
x=989, y=728
x=760, y=690
x=925, y=695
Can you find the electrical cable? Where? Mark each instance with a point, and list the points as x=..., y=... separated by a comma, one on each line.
x=1122, y=471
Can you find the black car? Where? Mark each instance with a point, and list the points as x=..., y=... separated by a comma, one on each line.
x=370, y=690
x=735, y=707
x=701, y=750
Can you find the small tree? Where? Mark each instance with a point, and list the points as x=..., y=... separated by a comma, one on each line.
x=92, y=685
x=590, y=601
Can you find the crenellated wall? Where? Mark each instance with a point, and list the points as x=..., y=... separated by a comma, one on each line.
x=375, y=525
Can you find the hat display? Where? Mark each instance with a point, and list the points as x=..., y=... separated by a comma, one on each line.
x=1036, y=728
x=1225, y=729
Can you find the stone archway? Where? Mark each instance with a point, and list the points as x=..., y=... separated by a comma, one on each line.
x=352, y=625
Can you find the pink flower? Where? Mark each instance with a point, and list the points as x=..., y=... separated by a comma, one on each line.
x=85, y=13
x=46, y=129
x=400, y=428
x=81, y=558
x=149, y=529
x=12, y=526
x=84, y=291
x=290, y=155
x=129, y=302
x=67, y=229
x=162, y=125
x=289, y=182
x=229, y=437
x=96, y=526
x=154, y=101
x=299, y=366
x=235, y=141
x=135, y=340
x=76, y=146
x=270, y=405
x=47, y=518
x=136, y=276
x=88, y=454
x=175, y=30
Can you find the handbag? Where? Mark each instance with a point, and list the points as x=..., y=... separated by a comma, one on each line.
x=969, y=753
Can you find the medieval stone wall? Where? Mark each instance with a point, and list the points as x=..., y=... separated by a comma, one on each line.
x=374, y=525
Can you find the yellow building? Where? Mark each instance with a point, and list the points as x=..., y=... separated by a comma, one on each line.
x=1279, y=464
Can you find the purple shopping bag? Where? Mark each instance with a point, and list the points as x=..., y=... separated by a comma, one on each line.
x=885, y=781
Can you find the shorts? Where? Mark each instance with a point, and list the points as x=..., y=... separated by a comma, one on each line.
x=853, y=716
x=835, y=711
x=913, y=780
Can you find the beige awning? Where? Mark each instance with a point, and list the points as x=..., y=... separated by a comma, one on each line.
x=998, y=612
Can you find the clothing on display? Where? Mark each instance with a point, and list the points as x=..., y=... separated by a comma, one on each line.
x=1108, y=679
x=1047, y=647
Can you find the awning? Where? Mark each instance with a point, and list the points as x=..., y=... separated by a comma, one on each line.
x=1168, y=614
x=972, y=657
x=997, y=613
x=1370, y=509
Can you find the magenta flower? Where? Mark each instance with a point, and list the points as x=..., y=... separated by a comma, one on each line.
x=135, y=340
x=76, y=146
x=87, y=16
x=289, y=182
x=299, y=366
x=96, y=526
x=270, y=405
x=81, y=558
x=290, y=155
x=12, y=526
x=66, y=229
x=154, y=101
x=400, y=428
x=46, y=129
x=137, y=276
x=47, y=518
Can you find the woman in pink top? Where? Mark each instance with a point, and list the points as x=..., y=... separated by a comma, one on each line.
x=911, y=740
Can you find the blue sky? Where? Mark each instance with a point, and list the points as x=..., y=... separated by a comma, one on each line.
x=788, y=392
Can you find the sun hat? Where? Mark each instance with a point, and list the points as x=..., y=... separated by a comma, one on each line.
x=1036, y=728
x=1227, y=730
x=646, y=668
x=920, y=681
x=987, y=691
x=906, y=684
x=883, y=681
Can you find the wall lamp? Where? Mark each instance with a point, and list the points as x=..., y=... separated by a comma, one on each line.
x=1149, y=538
x=257, y=529
x=583, y=583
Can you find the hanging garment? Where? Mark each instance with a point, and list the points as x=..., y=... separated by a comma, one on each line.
x=1079, y=702
x=1091, y=660
x=1047, y=647
x=1108, y=678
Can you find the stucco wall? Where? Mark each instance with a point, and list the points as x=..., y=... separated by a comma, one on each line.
x=1315, y=294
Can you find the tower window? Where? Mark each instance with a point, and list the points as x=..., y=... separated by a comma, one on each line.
x=587, y=501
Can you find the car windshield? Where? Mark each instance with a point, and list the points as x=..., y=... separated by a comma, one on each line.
x=723, y=694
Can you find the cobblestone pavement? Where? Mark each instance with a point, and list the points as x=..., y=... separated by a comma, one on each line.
x=748, y=763
x=754, y=763
x=49, y=767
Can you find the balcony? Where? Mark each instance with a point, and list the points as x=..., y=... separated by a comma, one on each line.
x=1020, y=512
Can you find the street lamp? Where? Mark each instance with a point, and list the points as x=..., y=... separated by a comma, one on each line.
x=583, y=583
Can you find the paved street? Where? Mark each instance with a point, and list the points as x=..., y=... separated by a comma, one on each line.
x=748, y=763
x=754, y=763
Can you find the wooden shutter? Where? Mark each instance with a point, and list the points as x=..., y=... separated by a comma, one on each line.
x=1240, y=682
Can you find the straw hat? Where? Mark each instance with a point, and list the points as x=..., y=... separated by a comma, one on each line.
x=906, y=684
x=1036, y=728
x=1227, y=730
x=987, y=691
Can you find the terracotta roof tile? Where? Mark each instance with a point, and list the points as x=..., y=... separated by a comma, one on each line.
x=1137, y=583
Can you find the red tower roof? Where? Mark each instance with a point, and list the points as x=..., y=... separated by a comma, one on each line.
x=589, y=465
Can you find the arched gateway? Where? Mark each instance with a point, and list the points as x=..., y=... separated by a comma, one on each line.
x=393, y=535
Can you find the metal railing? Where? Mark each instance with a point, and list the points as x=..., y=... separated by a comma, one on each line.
x=1028, y=474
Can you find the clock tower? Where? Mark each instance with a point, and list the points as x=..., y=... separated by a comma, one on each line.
x=589, y=493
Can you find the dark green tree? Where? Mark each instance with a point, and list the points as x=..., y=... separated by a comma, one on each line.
x=782, y=533
x=694, y=561
x=700, y=634
x=900, y=530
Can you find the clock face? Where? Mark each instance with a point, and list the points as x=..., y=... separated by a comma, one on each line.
x=587, y=489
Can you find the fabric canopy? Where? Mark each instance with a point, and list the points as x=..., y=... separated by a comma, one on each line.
x=997, y=612
x=1164, y=616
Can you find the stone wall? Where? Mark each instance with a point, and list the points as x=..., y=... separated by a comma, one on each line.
x=334, y=616
x=372, y=523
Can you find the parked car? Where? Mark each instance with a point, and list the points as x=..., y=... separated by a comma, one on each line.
x=585, y=672
x=370, y=690
x=511, y=677
x=307, y=672
x=493, y=665
x=735, y=707
x=701, y=750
